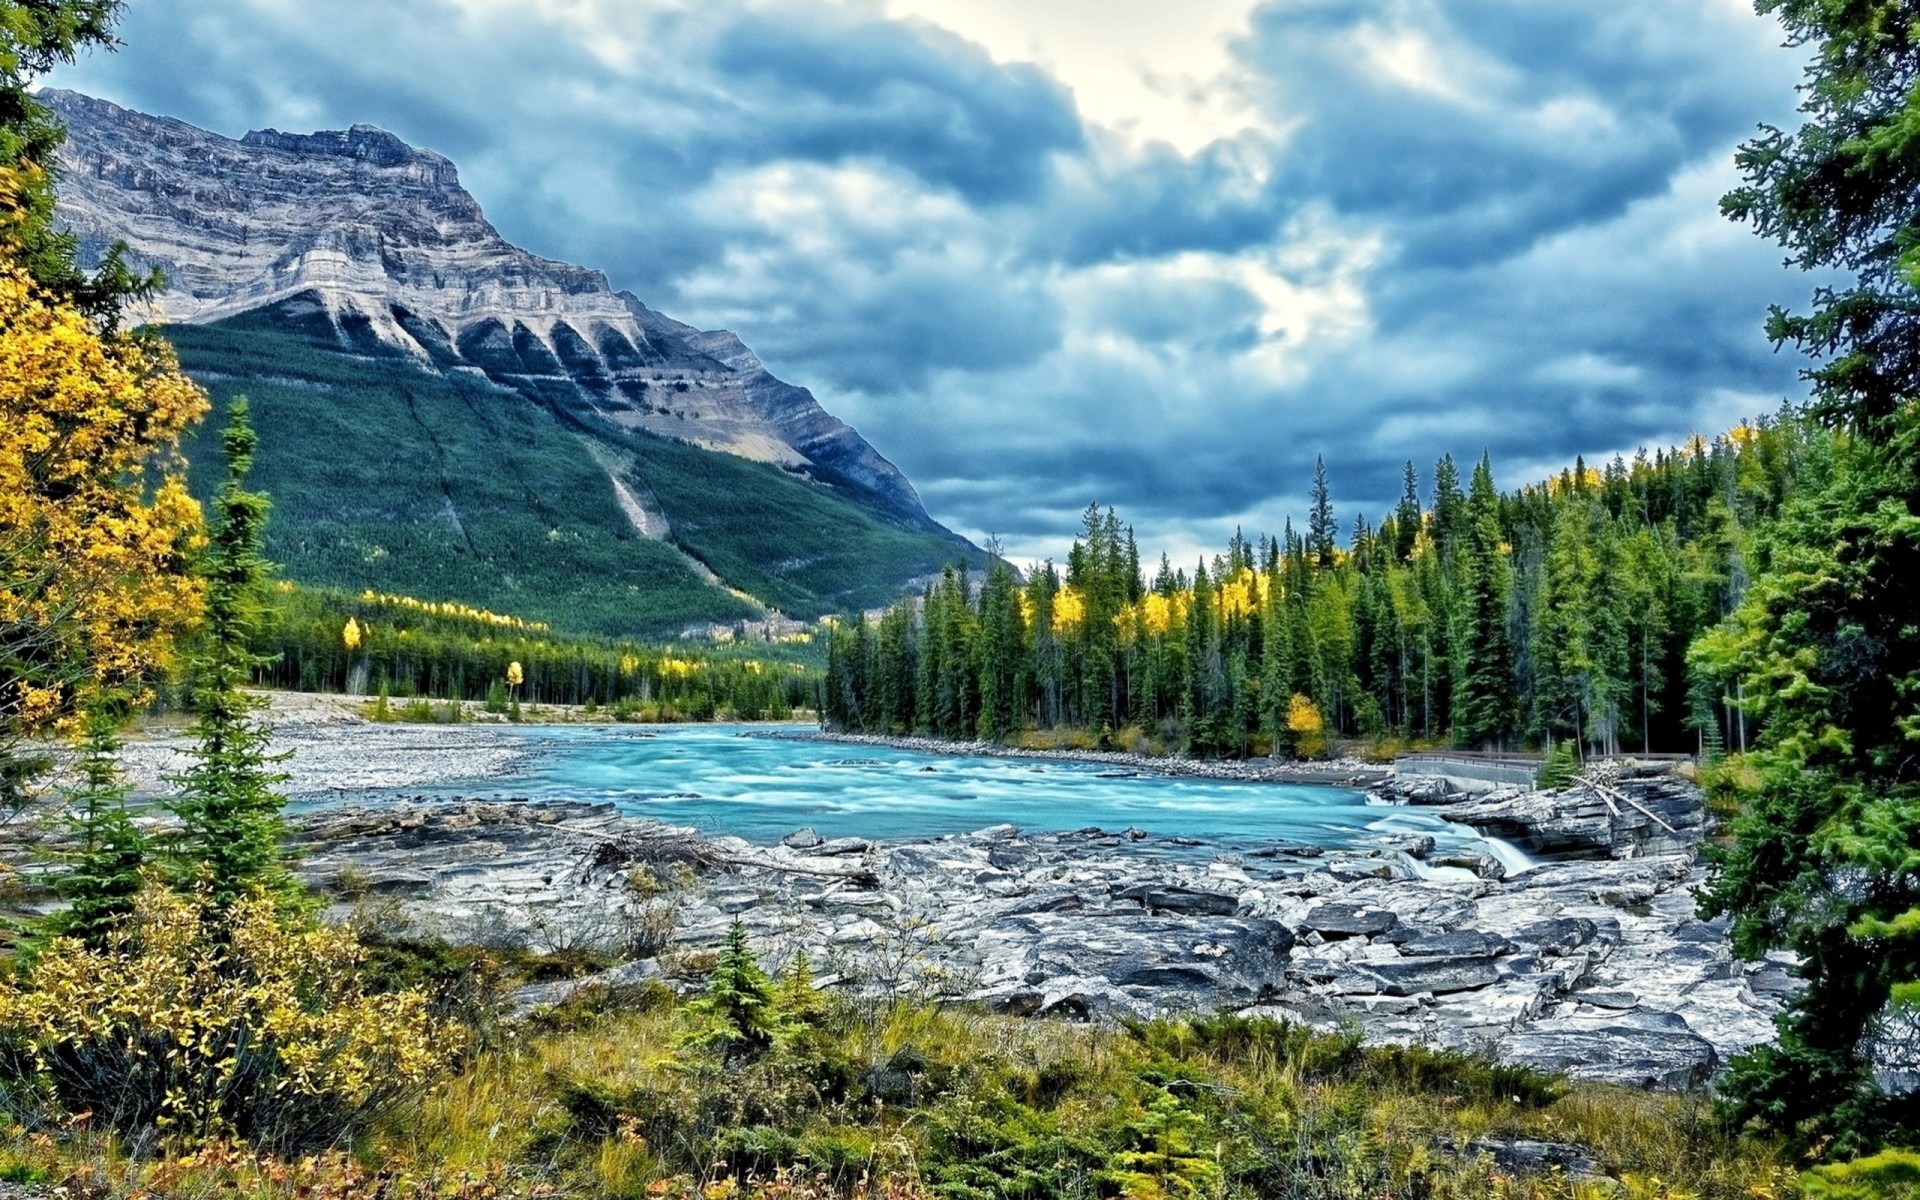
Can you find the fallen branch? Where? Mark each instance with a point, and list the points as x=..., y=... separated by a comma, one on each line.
x=859, y=878
x=1609, y=794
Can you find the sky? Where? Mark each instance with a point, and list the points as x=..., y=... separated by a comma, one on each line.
x=1050, y=252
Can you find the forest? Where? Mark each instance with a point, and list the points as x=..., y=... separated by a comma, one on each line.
x=382, y=644
x=1563, y=612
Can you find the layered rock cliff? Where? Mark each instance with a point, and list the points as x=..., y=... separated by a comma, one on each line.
x=380, y=239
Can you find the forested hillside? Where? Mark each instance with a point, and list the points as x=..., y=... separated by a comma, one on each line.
x=1562, y=611
x=441, y=485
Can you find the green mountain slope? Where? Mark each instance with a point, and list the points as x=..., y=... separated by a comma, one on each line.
x=388, y=475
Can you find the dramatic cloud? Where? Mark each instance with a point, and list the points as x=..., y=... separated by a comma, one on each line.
x=1155, y=255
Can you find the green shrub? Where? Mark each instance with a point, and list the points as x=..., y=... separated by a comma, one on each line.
x=1558, y=768
x=1888, y=1175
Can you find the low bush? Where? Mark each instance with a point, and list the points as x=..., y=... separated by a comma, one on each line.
x=197, y=1023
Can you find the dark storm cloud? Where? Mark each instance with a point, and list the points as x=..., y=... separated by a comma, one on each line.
x=1477, y=126
x=916, y=99
x=1460, y=226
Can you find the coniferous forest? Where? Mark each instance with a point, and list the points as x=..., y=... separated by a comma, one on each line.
x=1562, y=612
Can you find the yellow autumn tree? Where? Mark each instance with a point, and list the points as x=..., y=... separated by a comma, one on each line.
x=515, y=676
x=96, y=524
x=350, y=634
x=1308, y=729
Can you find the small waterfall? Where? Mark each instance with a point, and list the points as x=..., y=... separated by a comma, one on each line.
x=1512, y=857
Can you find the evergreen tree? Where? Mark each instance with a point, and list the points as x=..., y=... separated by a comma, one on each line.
x=1407, y=517
x=1001, y=651
x=1322, y=528
x=109, y=852
x=35, y=37
x=1483, y=708
x=739, y=1014
x=1826, y=855
x=230, y=825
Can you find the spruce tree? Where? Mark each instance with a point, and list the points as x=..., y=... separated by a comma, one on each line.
x=108, y=852
x=1483, y=705
x=739, y=1014
x=1826, y=854
x=1322, y=529
x=1407, y=518
x=230, y=825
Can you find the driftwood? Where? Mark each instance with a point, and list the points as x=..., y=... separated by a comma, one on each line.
x=1610, y=795
x=677, y=847
x=860, y=877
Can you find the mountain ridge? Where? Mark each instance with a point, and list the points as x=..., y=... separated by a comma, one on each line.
x=392, y=245
x=447, y=415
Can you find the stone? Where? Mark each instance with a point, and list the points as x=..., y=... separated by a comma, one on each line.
x=1182, y=900
x=1412, y=976
x=1561, y=935
x=1524, y=1156
x=1628, y=893
x=1457, y=943
x=1482, y=864
x=838, y=846
x=801, y=839
x=1647, y=1050
x=1348, y=920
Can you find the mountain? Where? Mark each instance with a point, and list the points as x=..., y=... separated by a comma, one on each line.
x=441, y=408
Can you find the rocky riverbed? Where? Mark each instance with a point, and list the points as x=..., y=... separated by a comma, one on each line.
x=1593, y=961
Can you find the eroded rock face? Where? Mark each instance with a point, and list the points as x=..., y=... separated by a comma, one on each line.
x=359, y=233
x=1544, y=968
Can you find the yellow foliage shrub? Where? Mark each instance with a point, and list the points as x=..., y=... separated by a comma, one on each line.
x=197, y=1024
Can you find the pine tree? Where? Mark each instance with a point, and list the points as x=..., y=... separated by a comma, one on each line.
x=1001, y=649
x=230, y=826
x=104, y=867
x=1322, y=529
x=1483, y=707
x=739, y=1014
x=1407, y=517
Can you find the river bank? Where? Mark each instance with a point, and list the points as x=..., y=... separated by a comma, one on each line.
x=1587, y=957
x=1595, y=966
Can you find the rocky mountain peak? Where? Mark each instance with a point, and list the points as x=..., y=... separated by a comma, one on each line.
x=366, y=143
x=361, y=230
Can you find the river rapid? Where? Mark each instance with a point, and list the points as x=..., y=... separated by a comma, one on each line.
x=738, y=780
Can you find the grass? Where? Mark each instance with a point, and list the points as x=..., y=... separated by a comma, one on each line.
x=603, y=1098
x=387, y=475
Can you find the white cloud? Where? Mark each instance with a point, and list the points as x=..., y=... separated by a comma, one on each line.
x=1146, y=69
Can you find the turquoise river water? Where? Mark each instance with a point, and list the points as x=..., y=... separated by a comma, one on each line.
x=736, y=780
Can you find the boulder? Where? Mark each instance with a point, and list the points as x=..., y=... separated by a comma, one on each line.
x=1412, y=976
x=1348, y=920
x=1555, y=936
x=1174, y=899
x=1648, y=1050
x=1458, y=943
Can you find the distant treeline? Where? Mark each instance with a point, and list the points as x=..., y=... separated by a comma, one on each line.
x=1562, y=612
x=325, y=640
